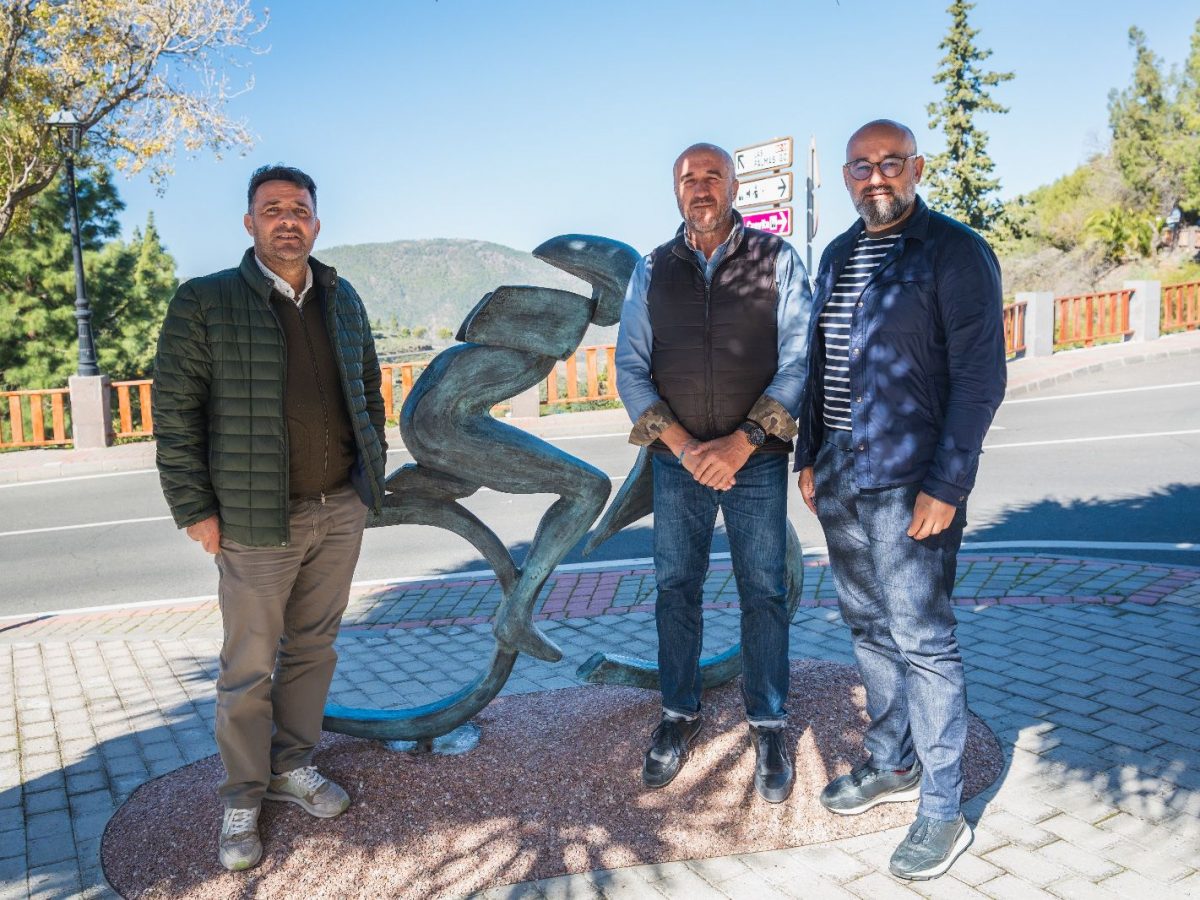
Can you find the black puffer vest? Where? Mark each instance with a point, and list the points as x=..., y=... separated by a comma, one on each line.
x=715, y=346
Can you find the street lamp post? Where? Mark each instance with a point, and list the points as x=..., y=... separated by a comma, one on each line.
x=68, y=135
x=91, y=401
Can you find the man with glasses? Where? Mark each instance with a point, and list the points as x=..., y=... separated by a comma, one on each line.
x=710, y=366
x=906, y=371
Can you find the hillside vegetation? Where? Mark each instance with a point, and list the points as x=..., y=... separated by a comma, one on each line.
x=433, y=284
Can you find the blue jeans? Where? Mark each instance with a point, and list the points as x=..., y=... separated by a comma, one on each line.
x=755, y=512
x=894, y=593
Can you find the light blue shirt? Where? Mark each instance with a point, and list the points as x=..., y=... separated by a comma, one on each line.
x=635, y=339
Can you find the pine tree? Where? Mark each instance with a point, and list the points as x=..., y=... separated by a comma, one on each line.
x=960, y=180
x=1141, y=121
x=1185, y=149
x=128, y=286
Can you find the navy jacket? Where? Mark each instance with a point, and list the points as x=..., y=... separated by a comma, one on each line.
x=927, y=361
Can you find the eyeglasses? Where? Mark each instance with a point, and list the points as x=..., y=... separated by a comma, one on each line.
x=889, y=167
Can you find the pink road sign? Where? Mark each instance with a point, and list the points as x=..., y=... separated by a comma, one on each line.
x=774, y=221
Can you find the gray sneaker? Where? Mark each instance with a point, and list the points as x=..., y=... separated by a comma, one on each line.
x=865, y=787
x=930, y=848
x=310, y=790
x=240, y=846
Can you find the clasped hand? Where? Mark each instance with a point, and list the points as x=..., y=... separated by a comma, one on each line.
x=715, y=463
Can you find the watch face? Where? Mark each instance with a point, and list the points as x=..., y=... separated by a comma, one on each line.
x=754, y=433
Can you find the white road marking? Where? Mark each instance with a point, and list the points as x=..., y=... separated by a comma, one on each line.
x=17, y=484
x=1089, y=440
x=1079, y=545
x=85, y=525
x=615, y=479
x=638, y=563
x=1153, y=387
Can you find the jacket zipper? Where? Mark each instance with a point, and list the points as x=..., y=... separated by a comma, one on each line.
x=287, y=475
x=708, y=366
x=312, y=359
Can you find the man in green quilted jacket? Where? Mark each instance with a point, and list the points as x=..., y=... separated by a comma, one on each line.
x=271, y=450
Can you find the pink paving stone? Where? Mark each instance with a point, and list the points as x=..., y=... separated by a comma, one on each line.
x=471, y=620
x=1144, y=599
x=1020, y=600
x=436, y=622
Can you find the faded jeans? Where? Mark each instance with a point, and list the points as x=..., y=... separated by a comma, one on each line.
x=894, y=593
x=755, y=512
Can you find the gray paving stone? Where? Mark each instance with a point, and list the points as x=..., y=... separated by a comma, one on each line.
x=1159, y=867
x=1122, y=735
x=1087, y=863
x=1035, y=868
x=1075, y=888
x=50, y=849
x=878, y=885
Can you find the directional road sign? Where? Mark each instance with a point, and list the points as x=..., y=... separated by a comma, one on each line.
x=776, y=154
x=772, y=189
x=773, y=221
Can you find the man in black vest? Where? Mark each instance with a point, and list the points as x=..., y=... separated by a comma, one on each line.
x=710, y=367
x=906, y=371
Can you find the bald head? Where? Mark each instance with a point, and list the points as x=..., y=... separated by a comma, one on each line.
x=895, y=133
x=708, y=150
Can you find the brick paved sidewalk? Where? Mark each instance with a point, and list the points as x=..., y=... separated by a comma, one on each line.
x=1086, y=670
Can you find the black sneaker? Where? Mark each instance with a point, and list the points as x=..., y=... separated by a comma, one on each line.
x=773, y=772
x=865, y=787
x=930, y=848
x=668, y=750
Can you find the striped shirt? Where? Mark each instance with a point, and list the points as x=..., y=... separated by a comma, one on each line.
x=837, y=316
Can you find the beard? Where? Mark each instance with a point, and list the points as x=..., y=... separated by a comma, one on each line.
x=709, y=218
x=882, y=210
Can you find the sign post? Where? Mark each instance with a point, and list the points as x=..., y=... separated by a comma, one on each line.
x=760, y=199
x=810, y=198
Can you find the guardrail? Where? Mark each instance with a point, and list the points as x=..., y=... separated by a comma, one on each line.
x=1088, y=318
x=1181, y=306
x=562, y=386
x=597, y=385
x=1014, y=328
x=24, y=420
x=134, y=397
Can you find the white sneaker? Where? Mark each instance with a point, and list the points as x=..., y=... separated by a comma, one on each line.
x=240, y=846
x=309, y=789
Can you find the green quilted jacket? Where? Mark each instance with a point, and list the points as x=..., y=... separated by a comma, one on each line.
x=218, y=401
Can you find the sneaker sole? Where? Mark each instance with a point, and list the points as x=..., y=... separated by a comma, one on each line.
x=242, y=865
x=683, y=758
x=912, y=793
x=304, y=805
x=961, y=843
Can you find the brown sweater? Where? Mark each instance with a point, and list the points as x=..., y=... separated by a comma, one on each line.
x=320, y=438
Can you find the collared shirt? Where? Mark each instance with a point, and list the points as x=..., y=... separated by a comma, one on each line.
x=635, y=340
x=283, y=287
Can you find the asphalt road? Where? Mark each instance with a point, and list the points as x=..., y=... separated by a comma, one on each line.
x=1110, y=458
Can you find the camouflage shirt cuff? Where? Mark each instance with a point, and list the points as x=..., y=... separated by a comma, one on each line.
x=650, y=424
x=774, y=419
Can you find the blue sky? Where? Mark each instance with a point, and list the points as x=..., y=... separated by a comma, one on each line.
x=515, y=121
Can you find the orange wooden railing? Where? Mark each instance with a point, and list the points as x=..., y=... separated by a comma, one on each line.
x=134, y=396
x=1014, y=328
x=1181, y=305
x=393, y=399
x=591, y=388
x=23, y=421
x=1088, y=318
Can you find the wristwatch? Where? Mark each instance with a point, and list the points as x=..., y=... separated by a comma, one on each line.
x=754, y=433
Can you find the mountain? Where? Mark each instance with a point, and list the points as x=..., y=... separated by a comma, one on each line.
x=435, y=283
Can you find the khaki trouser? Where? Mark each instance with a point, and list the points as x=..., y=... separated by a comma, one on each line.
x=281, y=607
